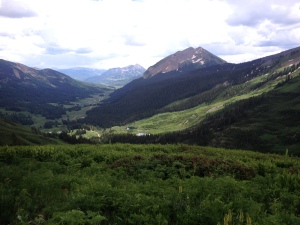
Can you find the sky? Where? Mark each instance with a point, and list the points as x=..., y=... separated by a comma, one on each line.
x=116, y=33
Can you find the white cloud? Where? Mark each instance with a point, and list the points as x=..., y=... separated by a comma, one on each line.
x=114, y=33
x=254, y=12
x=15, y=9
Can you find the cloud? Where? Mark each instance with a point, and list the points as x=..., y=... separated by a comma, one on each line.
x=132, y=40
x=6, y=34
x=252, y=13
x=15, y=9
x=83, y=50
x=56, y=50
x=117, y=33
x=284, y=38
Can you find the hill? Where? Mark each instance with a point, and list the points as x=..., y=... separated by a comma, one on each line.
x=260, y=114
x=40, y=91
x=146, y=97
x=266, y=123
x=15, y=134
x=118, y=77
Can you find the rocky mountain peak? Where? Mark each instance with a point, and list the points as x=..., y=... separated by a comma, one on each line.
x=186, y=60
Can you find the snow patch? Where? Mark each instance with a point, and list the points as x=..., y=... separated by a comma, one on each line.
x=198, y=60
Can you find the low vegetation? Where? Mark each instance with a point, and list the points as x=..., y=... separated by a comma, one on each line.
x=147, y=184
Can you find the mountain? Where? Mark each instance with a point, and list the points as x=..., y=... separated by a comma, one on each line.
x=184, y=61
x=145, y=97
x=40, y=91
x=256, y=107
x=81, y=73
x=268, y=122
x=118, y=76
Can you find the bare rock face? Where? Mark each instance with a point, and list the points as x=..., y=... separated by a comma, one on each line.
x=182, y=61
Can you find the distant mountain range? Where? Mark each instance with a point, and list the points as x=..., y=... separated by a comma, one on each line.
x=116, y=77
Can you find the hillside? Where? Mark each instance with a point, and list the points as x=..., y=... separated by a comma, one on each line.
x=16, y=134
x=261, y=116
x=40, y=91
x=146, y=97
x=264, y=123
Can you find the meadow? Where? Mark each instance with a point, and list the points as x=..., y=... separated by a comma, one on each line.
x=147, y=184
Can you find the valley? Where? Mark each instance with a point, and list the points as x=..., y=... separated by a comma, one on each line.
x=143, y=112
x=167, y=148
x=166, y=104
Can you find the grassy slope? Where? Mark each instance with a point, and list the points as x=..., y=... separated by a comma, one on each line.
x=174, y=121
x=16, y=134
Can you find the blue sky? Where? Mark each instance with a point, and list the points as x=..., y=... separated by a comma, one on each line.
x=116, y=33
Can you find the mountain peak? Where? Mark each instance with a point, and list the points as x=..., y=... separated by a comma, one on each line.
x=183, y=61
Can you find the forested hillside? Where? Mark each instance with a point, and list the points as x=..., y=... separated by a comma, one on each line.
x=145, y=97
x=38, y=91
x=266, y=123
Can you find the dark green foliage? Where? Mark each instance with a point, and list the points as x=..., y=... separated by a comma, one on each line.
x=18, y=118
x=146, y=184
x=50, y=124
x=72, y=139
x=15, y=134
